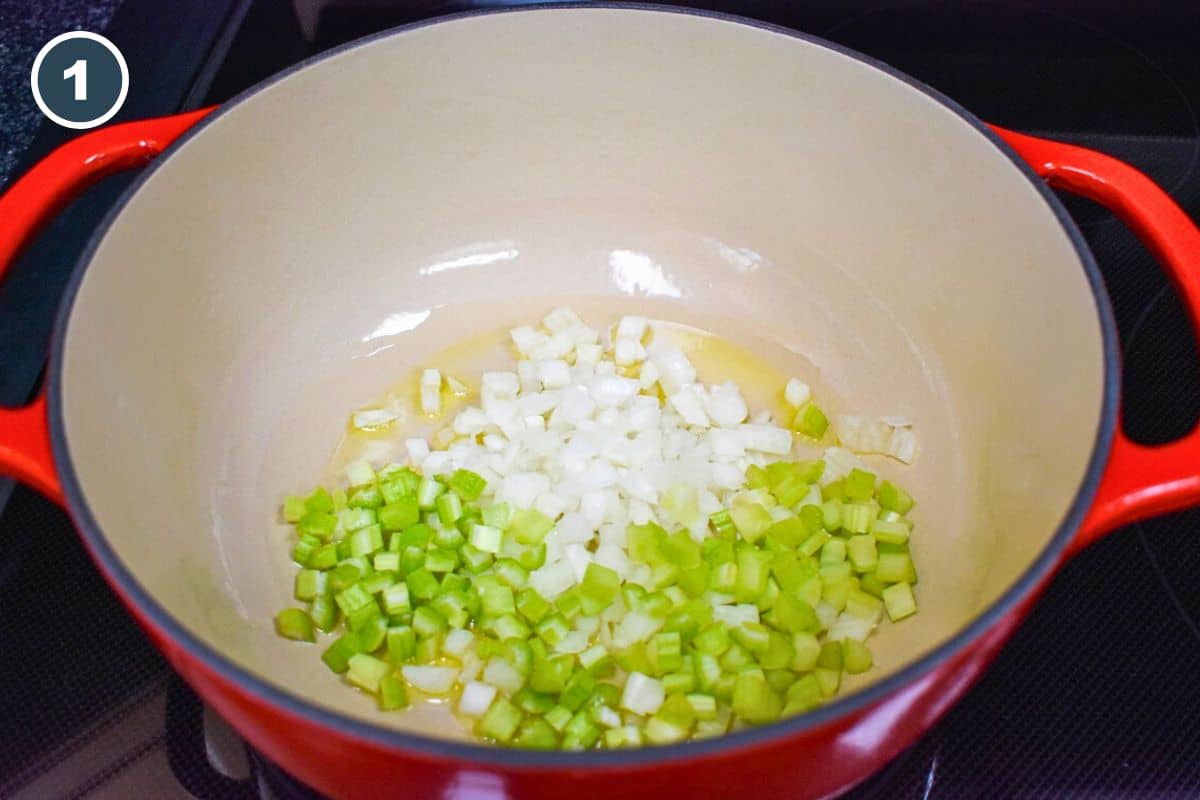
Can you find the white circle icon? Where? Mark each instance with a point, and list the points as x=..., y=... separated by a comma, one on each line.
x=79, y=80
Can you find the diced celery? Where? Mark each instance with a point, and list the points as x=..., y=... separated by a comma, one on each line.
x=862, y=553
x=899, y=601
x=467, y=484
x=365, y=671
x=501, y=721
x=393, y=693
x=294, y=623
x=754, y=700
x=893, y=498
x=751, y=520
x=856, y=657
x=810, y=421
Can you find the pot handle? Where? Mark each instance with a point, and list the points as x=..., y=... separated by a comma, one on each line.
x=29, y=203
x=1139, y=481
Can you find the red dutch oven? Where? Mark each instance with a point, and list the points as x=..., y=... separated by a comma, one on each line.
x=288, y=254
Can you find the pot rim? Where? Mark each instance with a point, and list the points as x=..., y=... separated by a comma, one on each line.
x=157, y=616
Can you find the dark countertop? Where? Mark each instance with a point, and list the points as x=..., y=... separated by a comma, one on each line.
x=26, y=25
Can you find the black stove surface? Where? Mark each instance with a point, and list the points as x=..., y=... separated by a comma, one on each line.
x=1097, y=695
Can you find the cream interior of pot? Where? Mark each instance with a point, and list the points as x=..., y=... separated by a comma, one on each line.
x=330, y=233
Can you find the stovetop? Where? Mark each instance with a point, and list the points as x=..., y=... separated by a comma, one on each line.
x=1098, y=693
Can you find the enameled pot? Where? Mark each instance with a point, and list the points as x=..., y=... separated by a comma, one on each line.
x=291, y=253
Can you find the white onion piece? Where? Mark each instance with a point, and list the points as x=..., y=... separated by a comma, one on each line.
x=431, y=680
x=476, y=699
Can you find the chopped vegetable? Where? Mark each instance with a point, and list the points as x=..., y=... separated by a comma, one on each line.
x=605, y=552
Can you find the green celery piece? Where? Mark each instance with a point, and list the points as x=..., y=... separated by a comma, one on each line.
x=754, y=700
x=304, y=549
x=393, y=694
x=790, y=491
x=324, y=557
x=694, y=580
x=532, y=606
x=371, y=634
x=892, y=568
x=600, y=584
x=806, y=651
x=343, y=577
x=803, y=695
x=401, y=644
x=751, y=635
x=535, y=734
x=386, y=562
x=834, y=490
x=422, y=584
x=532, y=702
x=449, y=538
x=856, y=657
x=476, y=561
x=810, y=420
x=293, y=509
x=294, y=623
x=581, y=732
x=551, y=674
x=751, y=520
x=429, y=650
x=830, y=657
x=899, y=601
x=859, y=485
x=532, y=557
x=309, y=583
x=365, y=497
x=597, y=660
x=324, y=612
x=365, y=671
x=779, y=652
x=558, y=717
x=665, y=651
x=756, y=477
x=319, y=500
x=794, y=615
x=427, y=622
x=501, y=721
x=833, y=552
x=789, y=531
x=497, y=600
x=679, y=682
x=529, y=526
x=468, y=485
x=400, y=514
x=449, y=508
x=353, y=598
x=780, y=679
x=831, y=515
x=577, y=690
x=862, y=553
x=893, y=498
x=496, y=515
x=830, y=680
x=857, y=517
x=510, y=626
x=713, y=640
x=441, y=561
x=891, y=532
x=708, y=671
x=428, y=491
x=753, y=570
x=722, y=524
x=871, y=583
x=644, y=543
x=337, y=655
